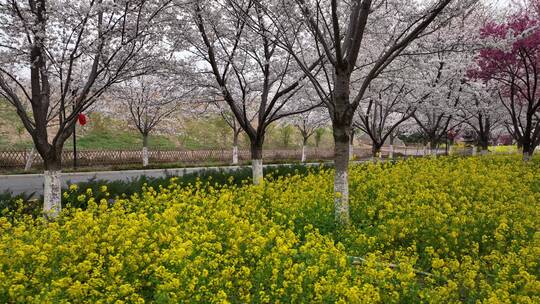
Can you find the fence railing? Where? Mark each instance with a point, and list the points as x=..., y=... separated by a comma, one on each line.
x=11, y=159
x=16, y=159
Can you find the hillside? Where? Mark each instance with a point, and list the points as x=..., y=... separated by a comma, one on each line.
x=107, y=133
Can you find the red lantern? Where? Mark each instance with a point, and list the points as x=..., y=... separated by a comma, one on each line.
x=451, y=135
x=82, y=119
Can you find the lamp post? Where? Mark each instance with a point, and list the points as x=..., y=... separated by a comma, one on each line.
x=75, y=147
x=74, y=144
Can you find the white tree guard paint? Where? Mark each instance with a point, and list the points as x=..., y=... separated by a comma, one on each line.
x=483, y=152
x=303, y=153
x=235, y=155
x=377, y=157
x=351, y=152
x=52, y=193
x=30, y=159
x=391, y=153
x=257, y=168
x=145, y=156
x=341, y=197
x=473, y=151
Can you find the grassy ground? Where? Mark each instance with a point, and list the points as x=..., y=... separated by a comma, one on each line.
x=100, y=133
x=112, y=140
x=12, y=132
x=105, y=133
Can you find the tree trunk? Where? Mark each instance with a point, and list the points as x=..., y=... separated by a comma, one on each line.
x=52, y=184
x=474, y=150
x=391, y=152
x=341, y=177
x=304, y=144
x=235, y=149
x=235, y=155
x=375, y=151
x=528, y=150
x=30, y=159
x=432, y=149
x=257, y=161
x=484, y=145
x=351, y=146
x=342, y=116
x=145, y=150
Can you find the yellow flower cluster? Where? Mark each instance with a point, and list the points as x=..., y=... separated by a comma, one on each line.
x=428, y=230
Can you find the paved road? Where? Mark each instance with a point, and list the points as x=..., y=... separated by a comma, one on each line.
x=30, y=183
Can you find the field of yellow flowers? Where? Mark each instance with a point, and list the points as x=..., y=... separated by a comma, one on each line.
x=445, y=230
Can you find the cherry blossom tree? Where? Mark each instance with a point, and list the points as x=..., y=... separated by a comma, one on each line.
x=227, y=115
x=388, y=106
x=480, y=110
x=250, y=71
x=354, y=41
x=151, y=100
x=307, y=124
x=510, y=59
x=436, y=116
x=440, y=75
x=57, y=57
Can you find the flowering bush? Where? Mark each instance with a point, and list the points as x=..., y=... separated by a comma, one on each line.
x=425, y=230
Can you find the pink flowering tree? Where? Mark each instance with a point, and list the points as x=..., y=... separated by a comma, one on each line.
x=510, y=58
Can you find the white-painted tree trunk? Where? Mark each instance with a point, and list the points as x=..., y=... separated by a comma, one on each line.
x=341, y=189
x=473, y=151
x=391, y=153
x=145, y=156
x=52, y=193
x=426, y=151
x=303, y=153
x=527, y=156
x=341, y=184
x=375, y=156
x=235, y=155
x=483, y=152
x=30, y=159
x=351, y=152
x=257, y=167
